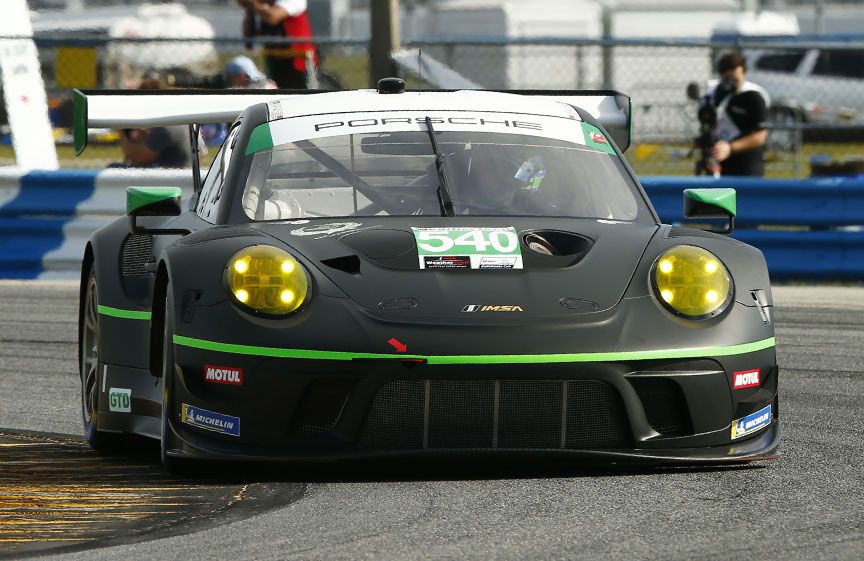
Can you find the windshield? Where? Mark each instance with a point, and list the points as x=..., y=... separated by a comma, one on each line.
x=394, y=173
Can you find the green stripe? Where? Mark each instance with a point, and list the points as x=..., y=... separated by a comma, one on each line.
x=125, y=314
x=478, y=359
x=260, y=139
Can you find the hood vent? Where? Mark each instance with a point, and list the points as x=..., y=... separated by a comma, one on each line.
x=347, y=264
x=554, y=248
x=389, y=248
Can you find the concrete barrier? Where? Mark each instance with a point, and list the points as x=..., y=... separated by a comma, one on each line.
x=47, y=216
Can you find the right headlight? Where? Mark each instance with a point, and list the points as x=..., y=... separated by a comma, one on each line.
x=691, y=282
x=267, y=279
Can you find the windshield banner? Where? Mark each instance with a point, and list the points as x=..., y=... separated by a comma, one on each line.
x=310, y=127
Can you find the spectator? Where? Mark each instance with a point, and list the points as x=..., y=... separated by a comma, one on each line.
x=741, y=115
x=242, y=73
x=164, y=147
x=285, y=63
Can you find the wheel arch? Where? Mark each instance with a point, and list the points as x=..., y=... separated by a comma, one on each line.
x=86, y=266
x=157, y=318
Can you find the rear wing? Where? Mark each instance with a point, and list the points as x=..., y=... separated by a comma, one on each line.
x=136, y=109
x=122, y=109
x=611, y=108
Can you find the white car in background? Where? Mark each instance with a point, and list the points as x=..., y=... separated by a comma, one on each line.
x=811, y=85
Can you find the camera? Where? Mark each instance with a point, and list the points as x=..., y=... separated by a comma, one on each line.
x=707, y=116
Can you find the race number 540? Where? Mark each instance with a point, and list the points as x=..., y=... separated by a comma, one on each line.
x=473, y=241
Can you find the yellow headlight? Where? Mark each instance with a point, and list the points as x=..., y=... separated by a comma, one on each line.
x=267, y=279
x=692, y=282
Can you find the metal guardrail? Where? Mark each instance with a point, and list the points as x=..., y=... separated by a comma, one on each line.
x=807, y=229
x=824, y=202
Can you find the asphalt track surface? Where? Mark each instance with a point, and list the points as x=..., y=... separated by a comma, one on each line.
x=807, y=505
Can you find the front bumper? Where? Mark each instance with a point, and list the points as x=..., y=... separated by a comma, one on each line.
x=644, y=411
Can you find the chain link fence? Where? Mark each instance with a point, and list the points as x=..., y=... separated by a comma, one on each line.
x=816, y=87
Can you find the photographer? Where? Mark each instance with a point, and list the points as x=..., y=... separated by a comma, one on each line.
x=733, y=115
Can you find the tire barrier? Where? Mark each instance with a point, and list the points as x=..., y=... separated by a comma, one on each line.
x=807, y=229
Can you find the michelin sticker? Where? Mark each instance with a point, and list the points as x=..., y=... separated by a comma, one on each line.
x=751, y=423
x=209, y=420
x=468, y=248
x=120, y=400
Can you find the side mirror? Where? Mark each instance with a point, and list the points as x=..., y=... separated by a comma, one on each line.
x=711, y=203
x=153, y=201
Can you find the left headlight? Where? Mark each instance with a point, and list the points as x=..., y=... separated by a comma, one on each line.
x=691, y=282
x=267, y=279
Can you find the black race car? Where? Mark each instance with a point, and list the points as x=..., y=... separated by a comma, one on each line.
x=388, y=273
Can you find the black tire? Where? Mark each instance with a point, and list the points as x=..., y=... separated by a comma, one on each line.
x=171, y=464
x=88, y=369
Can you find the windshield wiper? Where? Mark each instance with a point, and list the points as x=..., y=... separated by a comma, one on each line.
x=445, y=199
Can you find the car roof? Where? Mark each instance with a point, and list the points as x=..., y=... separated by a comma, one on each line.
x=370, y=100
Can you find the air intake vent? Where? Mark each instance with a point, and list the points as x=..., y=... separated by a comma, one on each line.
x=137, y=250
x=502, y=414
x=665, y=405
x=679, y=232
x=218, y=233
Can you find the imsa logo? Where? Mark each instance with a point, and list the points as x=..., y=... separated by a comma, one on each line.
x=489, y=308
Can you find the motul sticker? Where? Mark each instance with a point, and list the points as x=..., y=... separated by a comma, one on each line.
x=223, y=375
x=596, y=139
x=745, y=379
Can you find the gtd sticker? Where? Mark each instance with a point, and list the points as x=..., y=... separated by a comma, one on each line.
x=324, y=229
x=209, y=420
x=745, y=379
x=751, y=423
x=223, y=375
x=120, y=400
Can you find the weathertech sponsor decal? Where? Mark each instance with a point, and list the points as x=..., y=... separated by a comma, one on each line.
x=746, y=379
x=751, y=423
x=209, y=420
x=446, y=262
x=223, y=375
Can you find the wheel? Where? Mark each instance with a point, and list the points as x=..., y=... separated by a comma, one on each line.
x=171, y=464
x=89, y=370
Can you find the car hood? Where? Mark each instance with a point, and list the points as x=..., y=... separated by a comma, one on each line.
x=375, y=262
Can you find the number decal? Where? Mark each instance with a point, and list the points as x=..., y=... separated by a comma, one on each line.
x=473, y=238
x=446, y=241
x=464, y=248
x=510, y=239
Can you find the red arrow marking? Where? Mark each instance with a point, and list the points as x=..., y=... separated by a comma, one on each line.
x=399, y=346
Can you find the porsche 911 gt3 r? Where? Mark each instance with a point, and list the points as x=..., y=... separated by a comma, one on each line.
x=391, y=273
